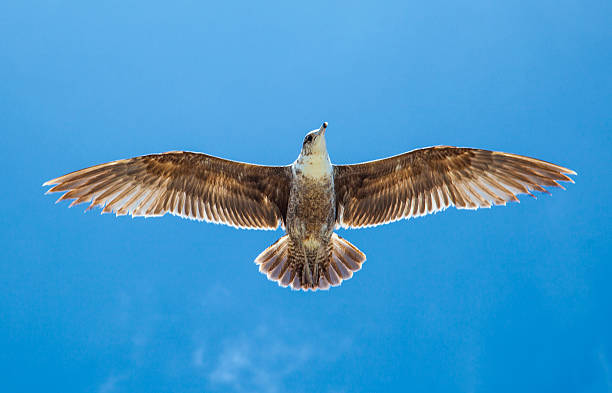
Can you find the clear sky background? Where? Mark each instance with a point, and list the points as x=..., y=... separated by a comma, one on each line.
x=509, y=299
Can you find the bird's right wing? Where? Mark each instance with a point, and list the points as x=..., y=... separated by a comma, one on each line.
x=431, y=179
x=192, y=185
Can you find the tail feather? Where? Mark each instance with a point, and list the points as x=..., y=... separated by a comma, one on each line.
x=273, y=261
x=286, y=264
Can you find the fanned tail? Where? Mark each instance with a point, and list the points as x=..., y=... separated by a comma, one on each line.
x=288, y=265
x=273, y=261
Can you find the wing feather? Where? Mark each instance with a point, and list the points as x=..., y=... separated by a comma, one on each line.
x=187, y=184
x=428, y=180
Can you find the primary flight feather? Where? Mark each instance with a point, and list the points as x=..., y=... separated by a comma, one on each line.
x=309, y=198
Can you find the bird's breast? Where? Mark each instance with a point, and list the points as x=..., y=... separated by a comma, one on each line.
x=311, y=211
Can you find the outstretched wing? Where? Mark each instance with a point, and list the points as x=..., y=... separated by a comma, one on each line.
x=192, y=185
x=431, y=179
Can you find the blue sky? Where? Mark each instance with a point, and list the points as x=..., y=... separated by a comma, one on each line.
x=508, y=299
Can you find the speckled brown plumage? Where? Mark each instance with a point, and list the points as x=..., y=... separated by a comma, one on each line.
x=283, y=262
x=427, y=180
x=311, y=216
x=191, y=185
x=309, y=198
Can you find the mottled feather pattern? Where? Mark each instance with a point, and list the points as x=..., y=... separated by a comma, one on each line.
x=284, y=262
x=428, y=180
x=191, y=185
x=309, y=202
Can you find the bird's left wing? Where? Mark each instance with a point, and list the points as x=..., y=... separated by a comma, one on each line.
x=187, y=184
x=427, y=180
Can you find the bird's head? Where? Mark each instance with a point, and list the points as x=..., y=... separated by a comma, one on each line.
x=314, y=143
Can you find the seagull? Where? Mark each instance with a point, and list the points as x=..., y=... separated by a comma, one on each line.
x=309, y=198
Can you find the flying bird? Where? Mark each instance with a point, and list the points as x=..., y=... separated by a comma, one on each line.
x=309, y=198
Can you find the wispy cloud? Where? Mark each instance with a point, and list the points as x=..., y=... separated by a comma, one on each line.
x=198, y=357
x=110, y=384
x=261, y=361
x=256, y=364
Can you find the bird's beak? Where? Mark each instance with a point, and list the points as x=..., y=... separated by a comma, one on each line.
x=323, y=128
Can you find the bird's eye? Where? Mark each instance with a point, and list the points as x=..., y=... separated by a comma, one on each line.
x=308, y=139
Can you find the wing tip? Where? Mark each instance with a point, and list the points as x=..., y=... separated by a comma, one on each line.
x=51, y=182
